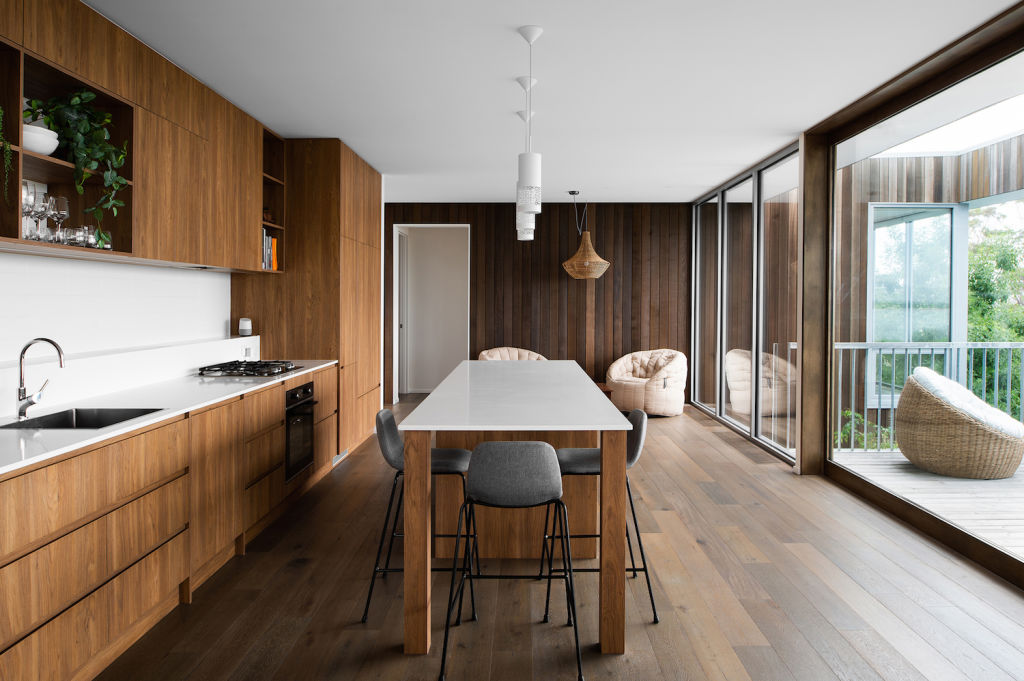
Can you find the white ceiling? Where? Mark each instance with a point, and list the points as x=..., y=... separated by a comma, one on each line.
x=645, y=100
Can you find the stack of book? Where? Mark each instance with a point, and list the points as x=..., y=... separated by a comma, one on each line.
x=270, y=261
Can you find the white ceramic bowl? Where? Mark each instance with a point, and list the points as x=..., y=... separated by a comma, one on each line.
x=39, y=140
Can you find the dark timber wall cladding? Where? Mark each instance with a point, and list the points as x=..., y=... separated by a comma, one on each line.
x=521, y=296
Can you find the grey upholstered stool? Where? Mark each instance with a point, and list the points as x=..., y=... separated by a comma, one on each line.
x=442, y=462
x=511, y=475
x=587, y=461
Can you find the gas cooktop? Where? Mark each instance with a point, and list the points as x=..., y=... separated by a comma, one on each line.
x=238, y=368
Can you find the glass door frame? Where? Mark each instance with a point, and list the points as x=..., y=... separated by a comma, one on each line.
x=757, y=269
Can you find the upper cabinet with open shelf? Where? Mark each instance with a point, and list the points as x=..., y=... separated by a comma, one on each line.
x=199, y=172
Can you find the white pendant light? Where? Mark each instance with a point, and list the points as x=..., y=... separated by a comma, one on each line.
x=525, y=224
x=528, y=186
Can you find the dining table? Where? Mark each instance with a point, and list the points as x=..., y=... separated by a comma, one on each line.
x=551, y=400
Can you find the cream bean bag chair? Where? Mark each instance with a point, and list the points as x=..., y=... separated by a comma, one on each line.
x=510, y=353
x=651, y=380
x=778, y=383
x=943, y=427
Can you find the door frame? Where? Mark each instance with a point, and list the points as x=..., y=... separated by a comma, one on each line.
x=403, y=228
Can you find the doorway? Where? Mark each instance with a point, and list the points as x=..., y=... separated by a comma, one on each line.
x=431, y=305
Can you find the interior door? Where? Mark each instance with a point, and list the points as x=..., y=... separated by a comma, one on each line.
x=403, y=314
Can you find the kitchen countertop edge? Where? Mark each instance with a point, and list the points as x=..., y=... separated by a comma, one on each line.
x=97, y=437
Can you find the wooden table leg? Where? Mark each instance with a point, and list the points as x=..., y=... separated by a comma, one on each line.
x=417, y=542
x=613, y=542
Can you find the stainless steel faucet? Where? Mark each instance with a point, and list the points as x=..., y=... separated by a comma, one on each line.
x=25, y=400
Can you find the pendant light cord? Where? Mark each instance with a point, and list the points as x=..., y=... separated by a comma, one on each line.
x=529, y=106
x=576, y=215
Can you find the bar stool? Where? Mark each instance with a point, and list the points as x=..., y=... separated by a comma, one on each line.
x=442, y=462
x=587, y=461
x=511, y=475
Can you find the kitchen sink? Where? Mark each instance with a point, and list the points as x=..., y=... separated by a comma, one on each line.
x=80, y=419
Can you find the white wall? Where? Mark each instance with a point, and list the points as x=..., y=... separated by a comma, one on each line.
x=438, y=303
x=103, y=315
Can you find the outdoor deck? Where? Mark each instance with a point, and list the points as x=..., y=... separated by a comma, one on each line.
x=990, y=509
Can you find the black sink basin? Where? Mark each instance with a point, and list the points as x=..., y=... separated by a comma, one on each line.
x=80, y=419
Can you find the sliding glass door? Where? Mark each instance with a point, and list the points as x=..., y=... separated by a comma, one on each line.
x=704, y=368
x=746, y=238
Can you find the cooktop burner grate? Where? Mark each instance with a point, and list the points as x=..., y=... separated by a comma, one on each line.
x=239, y=368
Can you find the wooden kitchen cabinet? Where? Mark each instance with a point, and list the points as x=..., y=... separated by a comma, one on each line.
x=325, y=438
x=264, y=410
x=42, y=505
x=215, y=518
x=76, y=37
x=234, y=198
x=170, y=181
x=12, y=16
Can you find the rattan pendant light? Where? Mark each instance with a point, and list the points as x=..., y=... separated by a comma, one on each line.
x=585, y=263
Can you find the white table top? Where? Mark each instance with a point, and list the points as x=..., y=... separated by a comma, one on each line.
x=516, y=395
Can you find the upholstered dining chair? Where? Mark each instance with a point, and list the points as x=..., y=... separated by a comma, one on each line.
x=442, y=462
x=506, y=353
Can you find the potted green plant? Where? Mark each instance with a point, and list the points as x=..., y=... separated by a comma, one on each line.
x=8, y=153
x=85, y=140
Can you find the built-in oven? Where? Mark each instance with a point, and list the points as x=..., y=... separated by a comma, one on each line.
x=299, y=405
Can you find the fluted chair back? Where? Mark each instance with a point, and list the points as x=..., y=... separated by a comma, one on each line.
x=390, y=440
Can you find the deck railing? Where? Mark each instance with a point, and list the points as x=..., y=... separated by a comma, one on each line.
x=868, y=379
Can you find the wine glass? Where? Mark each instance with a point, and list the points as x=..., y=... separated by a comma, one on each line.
x=59, y=213
x=28, y=202
x=40, y=211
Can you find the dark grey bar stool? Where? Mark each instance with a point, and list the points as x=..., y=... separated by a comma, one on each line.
x=511, y=475
x=587, y=461
x=442, y=462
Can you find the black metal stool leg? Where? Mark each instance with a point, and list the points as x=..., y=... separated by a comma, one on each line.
x=380, y=547
x=544, y=545
x=629, y=543
x=394, y=526
x=563, y=537
x=476, y=546
x=550, y=549
x=643, y=556
x=571, y=585
x=451, y=589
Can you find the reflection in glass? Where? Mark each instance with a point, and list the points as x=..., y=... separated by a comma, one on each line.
x=780, y=207
x=705, y=367
x=738, y=292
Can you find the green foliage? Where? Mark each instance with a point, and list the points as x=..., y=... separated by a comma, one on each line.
x=8, y=153
x=857, y=433
x=85, y=139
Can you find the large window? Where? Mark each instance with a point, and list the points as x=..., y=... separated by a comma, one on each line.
x=928, y=270
x=780, y=245
x=705, y=368
x=746, y=250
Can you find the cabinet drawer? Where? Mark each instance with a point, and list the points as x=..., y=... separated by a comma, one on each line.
x=40, y=585
x=42, y=503
x=62, y=646
x=261, y=498
x=262, y=454
x=263, y=410
x=326, y=391
x=325, y=442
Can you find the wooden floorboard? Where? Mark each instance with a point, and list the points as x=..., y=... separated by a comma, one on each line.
x=759, y=574
x=990, y=509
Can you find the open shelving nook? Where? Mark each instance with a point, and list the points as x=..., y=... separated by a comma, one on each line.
x=23, y=76
x=273, y=200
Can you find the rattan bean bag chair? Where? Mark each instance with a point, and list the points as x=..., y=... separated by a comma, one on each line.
x=510, y=353
x=943, y=427
x=778, y=383
x=651, y=380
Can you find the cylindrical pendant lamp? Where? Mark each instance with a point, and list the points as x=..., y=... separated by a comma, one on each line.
x=525, y=224
x=528, y=190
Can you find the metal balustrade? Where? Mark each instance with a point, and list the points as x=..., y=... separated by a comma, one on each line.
x=868, y=378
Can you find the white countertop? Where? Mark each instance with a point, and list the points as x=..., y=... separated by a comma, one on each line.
x=516, y=395
x=23, y=447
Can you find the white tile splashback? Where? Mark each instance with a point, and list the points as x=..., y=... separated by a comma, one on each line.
x=120, y=325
